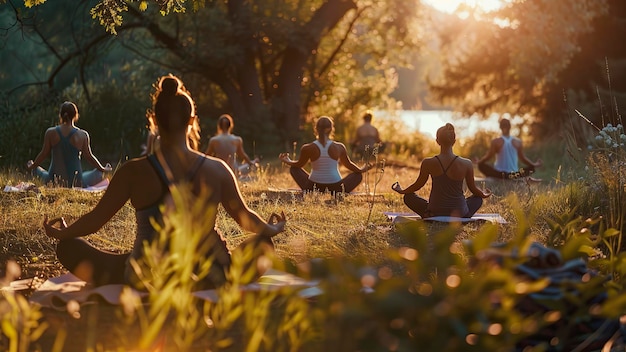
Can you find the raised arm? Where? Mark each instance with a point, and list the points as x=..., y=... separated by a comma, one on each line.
x=88, y=155
x=471, y=183
x=419, y=182
x=116, y=195
x=491, y=152
x=249, y=220
x=241, y=153
x=305, y=155
x=522, y=156
x=210, y=150
x=345, y=160
x=45, y=151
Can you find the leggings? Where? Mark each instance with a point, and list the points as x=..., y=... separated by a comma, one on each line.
x=89, y=178
x=420, y=205
x=101, y=267
x=347, y=184
x=490, y=171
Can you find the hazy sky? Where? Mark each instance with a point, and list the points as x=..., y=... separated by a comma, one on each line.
x=451, y=5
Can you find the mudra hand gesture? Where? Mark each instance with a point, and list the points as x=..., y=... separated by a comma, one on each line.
x=276, y=224
x=51, y=230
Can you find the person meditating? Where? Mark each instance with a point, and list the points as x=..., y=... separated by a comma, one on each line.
x=65, y=143
x=325, y=156
x=367, y=137
x=507, y=150
x=228, y=147
x=146, y=181
x=447, y=171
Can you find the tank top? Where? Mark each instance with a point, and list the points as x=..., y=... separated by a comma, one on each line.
x=324, y=170
x=146, y=231
x=446, y=194
x=506, y=159
x=65, y=166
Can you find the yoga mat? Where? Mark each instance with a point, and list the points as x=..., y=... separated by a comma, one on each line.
x=397, y=217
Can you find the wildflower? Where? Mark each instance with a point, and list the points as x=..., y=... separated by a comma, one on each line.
x=598, y=138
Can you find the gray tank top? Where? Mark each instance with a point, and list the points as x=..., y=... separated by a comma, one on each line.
x=146, y=232
x=65, y=166
x=446, y=195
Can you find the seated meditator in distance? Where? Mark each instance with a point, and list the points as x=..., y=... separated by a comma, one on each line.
x=507, y=150
x=325, y=156
x=64, y=144
x=228, y=147
x=366, y=138
x=447, y=171
x=146, y=181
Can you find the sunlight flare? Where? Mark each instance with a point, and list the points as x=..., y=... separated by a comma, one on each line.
x=450, y=6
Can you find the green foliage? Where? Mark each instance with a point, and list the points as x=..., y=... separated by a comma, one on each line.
x=114, y=118
x=519, y=57
x=275, y=64
x=19, y=320
x=428, y=298
x=172, y=268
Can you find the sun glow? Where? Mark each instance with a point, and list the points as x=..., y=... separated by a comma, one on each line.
x=450, y=6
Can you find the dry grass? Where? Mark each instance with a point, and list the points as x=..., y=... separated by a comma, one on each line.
x=319, y=225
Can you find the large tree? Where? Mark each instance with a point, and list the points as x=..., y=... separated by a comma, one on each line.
x=520, y=58
x=274, y=62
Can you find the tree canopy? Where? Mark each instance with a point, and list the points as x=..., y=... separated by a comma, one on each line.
x=277, y=64
x=273, y=64
x=523, y=57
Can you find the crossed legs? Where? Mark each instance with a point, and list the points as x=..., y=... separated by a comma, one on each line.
x=347, y=184
x=420, y=205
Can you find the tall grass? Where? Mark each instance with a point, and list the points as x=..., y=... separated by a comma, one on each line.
x=385, y=288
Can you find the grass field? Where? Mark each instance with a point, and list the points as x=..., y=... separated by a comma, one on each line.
x=318, y=224
x=350, y=229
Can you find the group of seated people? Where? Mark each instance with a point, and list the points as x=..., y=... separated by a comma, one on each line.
x=147, y=181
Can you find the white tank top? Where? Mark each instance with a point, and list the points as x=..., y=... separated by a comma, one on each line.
x=324, y=170
x=506, y=159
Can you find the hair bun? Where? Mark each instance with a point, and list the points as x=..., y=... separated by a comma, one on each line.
x=169, y=86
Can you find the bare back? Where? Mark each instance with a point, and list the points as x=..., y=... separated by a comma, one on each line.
x=78, y=139
x=225, y=147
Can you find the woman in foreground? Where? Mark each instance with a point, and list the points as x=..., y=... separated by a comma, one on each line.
x=447, y=171
x=325, y=156
x=146, y=182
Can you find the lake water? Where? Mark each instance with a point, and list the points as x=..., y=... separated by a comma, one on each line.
x=428, y=121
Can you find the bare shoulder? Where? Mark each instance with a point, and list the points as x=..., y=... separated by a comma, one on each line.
x=428, y=162
x=309, y=146
x=132, y=168
x=339, y=145
x=135, y=163
x=467, y=163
